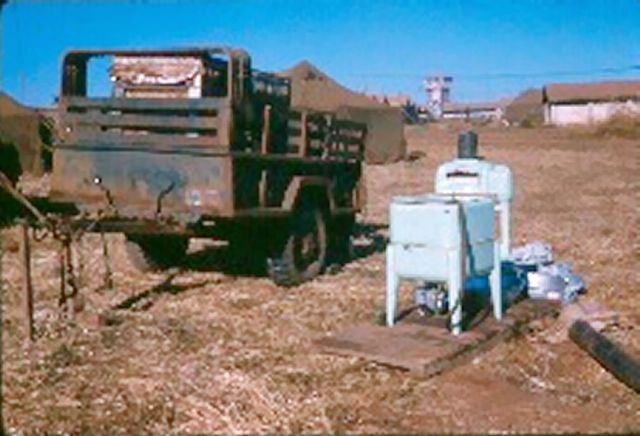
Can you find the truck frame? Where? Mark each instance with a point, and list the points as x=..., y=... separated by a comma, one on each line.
x=232, y=160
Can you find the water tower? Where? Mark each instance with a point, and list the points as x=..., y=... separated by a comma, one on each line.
x=438, y=93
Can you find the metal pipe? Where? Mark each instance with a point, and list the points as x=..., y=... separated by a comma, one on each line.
x=392, y=287
x=468, y=145
x=6, y=184
x=27, y=283
x=614, y=359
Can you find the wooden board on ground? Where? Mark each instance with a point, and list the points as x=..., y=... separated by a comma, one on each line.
x=427, y=349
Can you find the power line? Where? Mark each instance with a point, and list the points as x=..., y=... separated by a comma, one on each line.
x=558, y=73
x=506, y=75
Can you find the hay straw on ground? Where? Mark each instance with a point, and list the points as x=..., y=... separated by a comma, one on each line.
x=218, y=353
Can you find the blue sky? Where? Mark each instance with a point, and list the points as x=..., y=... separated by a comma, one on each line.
x=491, y=48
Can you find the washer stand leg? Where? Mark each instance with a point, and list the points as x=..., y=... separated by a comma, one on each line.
x=455, y=291
x=505, y=230
x=392, y=287
x=496, y=283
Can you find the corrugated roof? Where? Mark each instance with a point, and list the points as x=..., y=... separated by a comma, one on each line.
x=596, y=91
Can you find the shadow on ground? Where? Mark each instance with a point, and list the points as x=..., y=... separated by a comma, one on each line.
x=368, y=239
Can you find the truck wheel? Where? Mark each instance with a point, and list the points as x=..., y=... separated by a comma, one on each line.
x=340, y=247
x=305, y=251
x=152, y=253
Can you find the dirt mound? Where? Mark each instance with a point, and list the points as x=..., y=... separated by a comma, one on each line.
x=526, y=109
x=314, y=90
x=23, y=129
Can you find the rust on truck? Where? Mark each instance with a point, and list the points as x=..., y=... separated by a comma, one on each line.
x=195, y=142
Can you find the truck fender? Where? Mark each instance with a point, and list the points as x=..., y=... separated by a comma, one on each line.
x=299, y=184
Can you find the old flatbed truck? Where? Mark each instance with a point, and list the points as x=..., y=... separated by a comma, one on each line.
x=196, y=143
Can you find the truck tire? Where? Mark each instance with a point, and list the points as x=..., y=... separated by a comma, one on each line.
x=305, y=250
x=340, y=244
x=152, y=253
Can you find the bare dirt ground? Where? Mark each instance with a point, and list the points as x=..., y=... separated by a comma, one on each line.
x=207, y=350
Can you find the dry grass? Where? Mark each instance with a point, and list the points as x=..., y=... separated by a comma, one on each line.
x=619, y=126
x=212, y=352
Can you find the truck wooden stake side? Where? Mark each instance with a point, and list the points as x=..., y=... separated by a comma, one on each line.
x=195, y=143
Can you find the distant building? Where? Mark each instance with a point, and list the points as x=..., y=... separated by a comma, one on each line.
x=493, y=110
x=396, y=100
x=588, y=103
x=401, y=101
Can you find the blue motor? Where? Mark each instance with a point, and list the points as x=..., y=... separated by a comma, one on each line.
x=432, y=297
x=514, y=283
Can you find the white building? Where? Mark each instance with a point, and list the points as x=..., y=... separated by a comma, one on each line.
x=589, y=103
x=491, y=110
